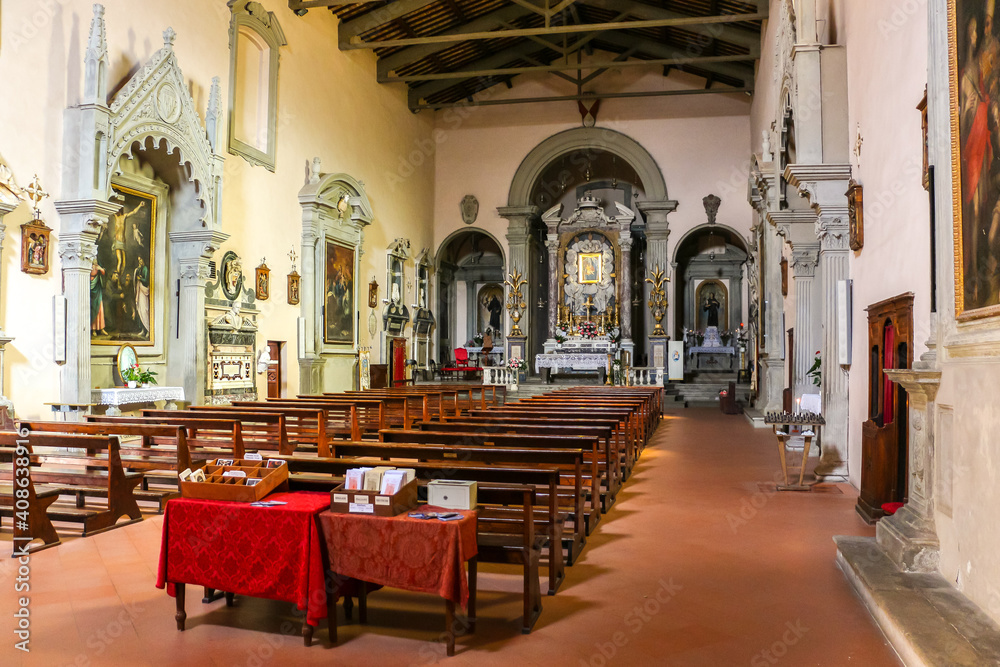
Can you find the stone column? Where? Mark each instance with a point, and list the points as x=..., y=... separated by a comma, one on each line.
x=194, y=251
x=909, y=537
x=77, y=254
x=552, y=244
x=310, y=363
x=625, y=278
x=833, y=264
x=804, y=259
x=657, y=232
x=518, y=237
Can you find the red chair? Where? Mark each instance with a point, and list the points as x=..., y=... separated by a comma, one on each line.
x=461, y=363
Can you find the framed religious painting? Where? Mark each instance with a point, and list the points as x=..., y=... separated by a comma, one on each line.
x=293, y=288
x=338, y=282
x=35, y=247
x=122, y=286
x=855, y=216
x=590, y=268
x=974, y=47
x=262, y=282
x=373, y=293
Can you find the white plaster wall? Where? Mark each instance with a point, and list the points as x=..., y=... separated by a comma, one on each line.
x=699, y=143
x=329, y=106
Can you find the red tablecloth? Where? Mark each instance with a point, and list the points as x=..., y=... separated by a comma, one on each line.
x=263, y=552
x=425, y=555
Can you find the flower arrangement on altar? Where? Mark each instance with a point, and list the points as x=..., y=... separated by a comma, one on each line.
x=588, y=329
x=561, y=336
x=614, y=334
x=134, y=375
x=478, y=339
x=517, y=364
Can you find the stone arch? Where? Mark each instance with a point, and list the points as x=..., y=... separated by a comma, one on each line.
x=532, y=166
x=695, y=231
x=459, y=232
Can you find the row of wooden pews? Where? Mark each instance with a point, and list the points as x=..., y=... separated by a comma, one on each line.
x=548, y=467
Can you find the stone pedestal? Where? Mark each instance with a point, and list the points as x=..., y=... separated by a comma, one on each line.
x=909, y=537
x=517, y=346
x=657, y=351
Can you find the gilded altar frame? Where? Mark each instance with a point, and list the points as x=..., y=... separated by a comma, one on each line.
x=564, y=240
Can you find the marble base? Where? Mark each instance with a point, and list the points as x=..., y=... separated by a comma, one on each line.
x=909, y=541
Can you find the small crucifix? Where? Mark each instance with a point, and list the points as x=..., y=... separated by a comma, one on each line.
x=36, y=195
x=589, y=303
x=292, y=256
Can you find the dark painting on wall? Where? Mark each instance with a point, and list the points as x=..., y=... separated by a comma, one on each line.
x=974, y=42
x=339, y=291
x=122, y=292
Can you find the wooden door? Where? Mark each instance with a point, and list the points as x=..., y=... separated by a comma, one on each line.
x=274, y=369
x=787, y=396
x=885, y=434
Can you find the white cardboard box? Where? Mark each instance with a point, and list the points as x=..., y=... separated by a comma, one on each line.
x=452, y=494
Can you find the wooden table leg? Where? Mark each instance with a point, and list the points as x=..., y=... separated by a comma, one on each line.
x=230, y=599
x=805, y=457
x=307, y=633
x=331, y=616
x=363, y=602
x=348, y=607
x=449, y=621
x=473, y=571
x=781, y=455
x=181, y=615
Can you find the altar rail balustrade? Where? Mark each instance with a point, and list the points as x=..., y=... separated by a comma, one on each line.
x=499, y=375
x=648, y=376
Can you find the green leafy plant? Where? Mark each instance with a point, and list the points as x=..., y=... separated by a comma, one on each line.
x=814, y=372
x=135, y=374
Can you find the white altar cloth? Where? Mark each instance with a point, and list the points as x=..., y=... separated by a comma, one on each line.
x=577, y=361
x=114, y=397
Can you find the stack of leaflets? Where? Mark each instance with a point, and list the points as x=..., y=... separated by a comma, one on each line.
x=384, y=480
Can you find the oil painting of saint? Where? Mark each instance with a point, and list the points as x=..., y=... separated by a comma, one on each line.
x=339, y=294
x=122, y=289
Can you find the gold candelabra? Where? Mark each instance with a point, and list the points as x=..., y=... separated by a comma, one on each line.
x=658, y=299
x=515, y=300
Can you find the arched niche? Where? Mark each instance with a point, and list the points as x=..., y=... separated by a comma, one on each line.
x=151, y=113
x=694, y=264
x=335, y=212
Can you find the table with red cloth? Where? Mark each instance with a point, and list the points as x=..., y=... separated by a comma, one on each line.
x=423, y=555
x=265, y=552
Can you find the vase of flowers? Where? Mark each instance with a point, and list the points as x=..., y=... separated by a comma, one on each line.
x=561, y=337
x=135, y=376
x=518, y=365
x=478, y=340
x=588, y=330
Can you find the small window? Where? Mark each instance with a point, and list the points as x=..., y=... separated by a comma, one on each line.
x=255, y=37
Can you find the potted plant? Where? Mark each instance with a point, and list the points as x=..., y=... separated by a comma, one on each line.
x=561, y=336
x=478, y=340
x=131, y=376
x=815, y=372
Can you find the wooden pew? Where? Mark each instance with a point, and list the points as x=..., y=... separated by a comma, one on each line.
x=608, y=460
x=325, y=474
x=585, y=514
x=72, y=462
x=399, y=411
x=162, y=447
x=341, y=419
x=29, y=513
x=571, y=459
x=258, y=429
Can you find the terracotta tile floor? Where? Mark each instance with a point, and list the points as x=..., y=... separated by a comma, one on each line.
x=700, y=563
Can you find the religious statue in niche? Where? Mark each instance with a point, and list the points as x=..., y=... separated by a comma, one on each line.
x=339, y=294
x=712, y=303
x=974, y=50
x=232, y=275
x=590, y=268
x=262, y=281
x=122, y=289
x=711, y=308
x=293, y=282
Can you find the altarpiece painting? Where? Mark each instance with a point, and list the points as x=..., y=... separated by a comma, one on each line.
x=339, y=294
x=122, y=291
x=974, y=45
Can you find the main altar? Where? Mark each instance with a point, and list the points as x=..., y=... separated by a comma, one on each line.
x=587, y=322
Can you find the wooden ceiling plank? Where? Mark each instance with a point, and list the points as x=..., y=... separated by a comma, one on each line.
x=358, y=43
x=377, y=17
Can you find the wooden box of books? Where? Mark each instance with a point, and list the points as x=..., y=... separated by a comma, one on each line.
x=244, y=480
x=355, y=501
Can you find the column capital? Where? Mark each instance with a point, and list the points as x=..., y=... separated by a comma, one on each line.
x=657, y=211
x=805, y=257
x=920, y=385
x=77, y=251
x=833, y=233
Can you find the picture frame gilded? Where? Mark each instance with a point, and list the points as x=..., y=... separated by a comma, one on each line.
x=126, y=358
x=294, y=283
x=855, y=215
x=590, y=268
x=262, y=282
x=338, y=294
x=35, y=247
x=973, y=82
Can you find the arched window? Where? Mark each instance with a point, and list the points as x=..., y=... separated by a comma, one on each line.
x=254, y=38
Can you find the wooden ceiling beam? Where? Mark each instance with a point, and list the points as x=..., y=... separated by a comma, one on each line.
x=683, y=22
x=748, y=39
x=377, y=17
x=656, y=49
x=586, y=96
x=491, y=21
x=700, y=62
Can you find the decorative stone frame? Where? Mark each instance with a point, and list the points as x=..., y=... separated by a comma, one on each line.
x=334, y=207
x=154, y=106
x=252, y=15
